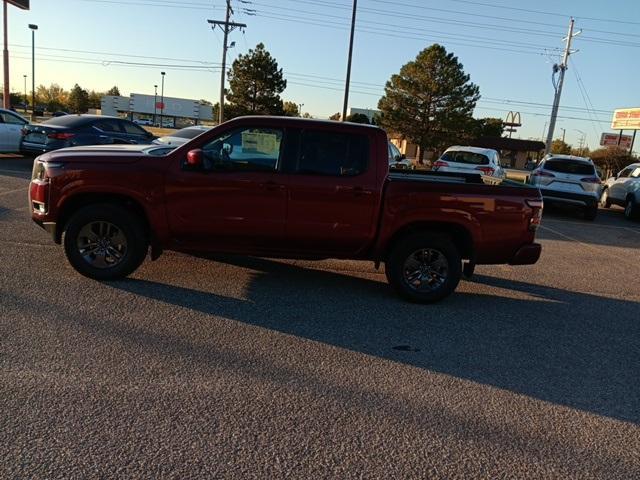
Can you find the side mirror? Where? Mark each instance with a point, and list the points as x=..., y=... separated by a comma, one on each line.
x=227, y=148
x=194, y=158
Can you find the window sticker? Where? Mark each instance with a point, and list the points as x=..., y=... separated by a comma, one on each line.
x=265, y=143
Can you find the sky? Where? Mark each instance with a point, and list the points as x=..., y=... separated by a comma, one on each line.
x=507, y=47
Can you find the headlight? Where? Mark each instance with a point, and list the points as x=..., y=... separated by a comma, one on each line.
x=39, y=170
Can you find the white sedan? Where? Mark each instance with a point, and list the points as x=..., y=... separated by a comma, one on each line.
x=11, y=125
x=175, y=139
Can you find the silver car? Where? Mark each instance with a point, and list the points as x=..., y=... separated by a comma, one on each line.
x=568, y=180
x=624, y=189
x=180, y=137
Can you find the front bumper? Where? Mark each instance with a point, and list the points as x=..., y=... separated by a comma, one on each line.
x=527, y=254
x=570, y=198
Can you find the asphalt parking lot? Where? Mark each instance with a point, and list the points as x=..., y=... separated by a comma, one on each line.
x=231, y=367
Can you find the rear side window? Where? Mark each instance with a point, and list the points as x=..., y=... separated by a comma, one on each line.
x=333, y=154
x=132, y=128
x=569, y=166
x=111, y=126
x=469, y=158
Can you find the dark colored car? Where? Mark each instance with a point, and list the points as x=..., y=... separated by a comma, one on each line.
x=80, y=130
x=281, y=187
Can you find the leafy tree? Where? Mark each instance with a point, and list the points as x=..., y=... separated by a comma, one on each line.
x=53, y=97
x=429, y=100
x=336, y=116
x=78, y=99
x=15, y=98
x=490, y=127
x=307, y=115
x=95, y=99
x=255, y=84
x=290, y=109
x=611, y=159
x=560, y=147
x=358, y=118
x=205, y=102
x=115, y=91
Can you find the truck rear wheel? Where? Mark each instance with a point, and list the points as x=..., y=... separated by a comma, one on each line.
x=104, y=242
x=424, y=268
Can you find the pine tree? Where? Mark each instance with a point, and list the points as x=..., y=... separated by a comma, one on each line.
x=430, y=101
x=255, y=84
x=78, y=99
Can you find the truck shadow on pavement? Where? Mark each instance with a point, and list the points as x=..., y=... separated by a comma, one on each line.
x=568, y=348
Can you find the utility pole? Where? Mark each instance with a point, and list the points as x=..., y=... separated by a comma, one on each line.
x=556, y=100
x=6, y=98
x=346, y=87
x=227, y=27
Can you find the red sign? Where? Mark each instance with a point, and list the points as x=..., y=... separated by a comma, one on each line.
x=160, y=105
x=23, y=4
x=611, y=140
x=626, y=119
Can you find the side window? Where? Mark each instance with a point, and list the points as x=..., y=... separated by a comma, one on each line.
x=625, y=173
x=12, y=119
x=246, y=149
x=335, y=154
x=132, y=128
x=109, y=126
x=636, y=173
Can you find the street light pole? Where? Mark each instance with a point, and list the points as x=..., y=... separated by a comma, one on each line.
x=162, y=100
x=25, y=94
x=300, y=105
x=33, y=69
x=155, y=104
x=348, y=80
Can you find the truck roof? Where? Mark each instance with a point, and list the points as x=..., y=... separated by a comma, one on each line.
x=298, y=121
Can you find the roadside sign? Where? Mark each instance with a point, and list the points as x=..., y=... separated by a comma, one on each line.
x=626, y=119
x=611, y=140
x=160, y=105
x=23, y=4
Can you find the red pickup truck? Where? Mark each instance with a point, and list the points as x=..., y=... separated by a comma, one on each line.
x=284, y=188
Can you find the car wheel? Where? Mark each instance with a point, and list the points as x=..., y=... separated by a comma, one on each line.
x=424, y=268
x=104, y=242
x=590, y=213
x=605, y=201
x=631, y=209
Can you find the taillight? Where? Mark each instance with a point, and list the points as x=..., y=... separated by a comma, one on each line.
x=486, y=170
x=591, y=180
x=536, y=217
x=61, y=136
x=439, y=163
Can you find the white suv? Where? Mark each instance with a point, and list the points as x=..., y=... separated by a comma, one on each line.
x=569, y=180
x=480, y=161
x=624, y=190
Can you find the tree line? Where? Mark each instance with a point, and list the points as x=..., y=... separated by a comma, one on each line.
x=55, y=98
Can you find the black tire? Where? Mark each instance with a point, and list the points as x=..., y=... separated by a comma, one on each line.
x=590, y=213
x=117, y=219
x=631, y=209
x=440, y=249
x=605, y=201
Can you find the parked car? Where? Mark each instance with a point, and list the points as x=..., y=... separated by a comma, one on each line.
x=281, y=187
x=479, y=161
x=143, y=121
x=11, y=125
x=568, y=180
x=624, y=189
x=398, y=160
x=182, y=136
x=74, y=130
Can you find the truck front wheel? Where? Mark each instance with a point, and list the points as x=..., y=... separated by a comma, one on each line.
x=104, y=242
x=424, y=268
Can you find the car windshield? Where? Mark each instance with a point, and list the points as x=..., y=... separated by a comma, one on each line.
x=569, y=166
x=187, y=133
x=459, y=156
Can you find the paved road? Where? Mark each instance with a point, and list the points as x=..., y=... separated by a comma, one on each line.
x=250, y=368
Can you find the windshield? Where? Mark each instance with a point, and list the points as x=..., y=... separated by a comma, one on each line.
x=569, y=166
x=459, y=156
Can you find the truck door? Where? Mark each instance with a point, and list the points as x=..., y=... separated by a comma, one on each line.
x=237, y=201
x=331, y=182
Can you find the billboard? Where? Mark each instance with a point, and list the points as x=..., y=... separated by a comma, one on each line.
x=626, y=119
x=611, y=140
x=173, y=107
x=23, y=4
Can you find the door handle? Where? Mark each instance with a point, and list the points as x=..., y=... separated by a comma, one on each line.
x=357, y=191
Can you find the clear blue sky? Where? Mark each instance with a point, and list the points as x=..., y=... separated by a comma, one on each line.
x=508, y=48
